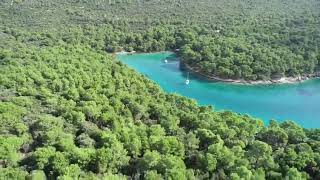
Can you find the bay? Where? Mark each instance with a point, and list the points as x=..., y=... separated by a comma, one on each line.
x=299, y=102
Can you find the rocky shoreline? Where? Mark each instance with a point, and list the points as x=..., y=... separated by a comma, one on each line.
x=282, y=80
x=125, y=53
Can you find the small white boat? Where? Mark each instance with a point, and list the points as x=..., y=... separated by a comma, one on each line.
x=166, y=61
x=187, y=81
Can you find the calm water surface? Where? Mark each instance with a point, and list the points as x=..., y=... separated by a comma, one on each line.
x=298, y=102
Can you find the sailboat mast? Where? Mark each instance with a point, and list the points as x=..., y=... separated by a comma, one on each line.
x=187, y=81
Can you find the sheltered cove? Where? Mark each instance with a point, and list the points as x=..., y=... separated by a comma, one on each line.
x=282, y=80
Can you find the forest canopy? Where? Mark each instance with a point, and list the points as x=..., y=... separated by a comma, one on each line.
x=260, y=40
x=70, y=110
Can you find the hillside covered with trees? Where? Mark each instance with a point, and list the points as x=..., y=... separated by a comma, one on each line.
x=260, y=40
x=70, y=110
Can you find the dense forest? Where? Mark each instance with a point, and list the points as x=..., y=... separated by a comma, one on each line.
x=70, y=110
x=247, y=40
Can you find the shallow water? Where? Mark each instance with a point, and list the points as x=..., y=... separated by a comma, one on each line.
x=298, y=102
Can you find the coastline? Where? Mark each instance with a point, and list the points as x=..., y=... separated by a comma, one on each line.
x=282, y=80
x=139, y=52
x=124, y=53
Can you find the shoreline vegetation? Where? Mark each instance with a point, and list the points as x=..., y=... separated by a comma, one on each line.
x=281, y=80
x=69, y=110
x=82, y=115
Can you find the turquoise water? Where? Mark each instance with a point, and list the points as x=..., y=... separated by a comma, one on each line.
x=298, y=102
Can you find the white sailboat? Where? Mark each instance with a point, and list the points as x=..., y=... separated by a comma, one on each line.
x=166, y=61
x=187, y=81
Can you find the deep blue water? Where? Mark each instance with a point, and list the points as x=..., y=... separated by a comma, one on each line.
x=297, y=102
